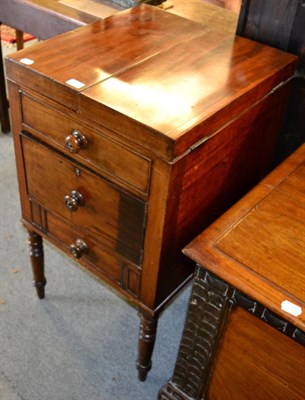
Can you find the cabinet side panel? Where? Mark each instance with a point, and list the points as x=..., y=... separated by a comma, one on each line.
x=215, y=176
x=175, y=269
x=227, y=166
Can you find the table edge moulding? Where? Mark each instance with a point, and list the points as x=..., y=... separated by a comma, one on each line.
x=171, y=120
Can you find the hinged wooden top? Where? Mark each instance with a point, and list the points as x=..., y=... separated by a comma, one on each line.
x=259, y=245
x=158, y=79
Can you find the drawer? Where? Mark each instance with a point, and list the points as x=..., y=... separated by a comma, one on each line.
x=84, y=199
x=86, y=144
x=103, y=263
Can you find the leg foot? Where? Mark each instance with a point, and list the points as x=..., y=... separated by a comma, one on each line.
x=147, y=337
x=37, y=261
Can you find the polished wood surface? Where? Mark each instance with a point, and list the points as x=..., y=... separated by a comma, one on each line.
x=102, y=154
x=244, y=335
x=153, y=98
x=48, y=18
x=146, y=152
x=146, y=90
x=102, y=212
x=42, y=18
x=37, y=261
x=100, y=8
x=208, y=13
x=108, y=47
x=266, y=364
x=268, y=266
x=233, y=347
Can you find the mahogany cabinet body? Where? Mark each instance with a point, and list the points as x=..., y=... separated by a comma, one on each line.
x=244, y=336
x=133, y=137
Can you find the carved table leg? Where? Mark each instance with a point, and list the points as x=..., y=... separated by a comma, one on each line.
x=37, y=260
x=208, y=311
x=147, y=338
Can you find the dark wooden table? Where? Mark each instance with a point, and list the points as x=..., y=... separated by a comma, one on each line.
x=244, y=336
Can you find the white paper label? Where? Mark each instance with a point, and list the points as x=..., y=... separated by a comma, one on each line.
x=291, y=308
x=27, y=61
x=75, y=83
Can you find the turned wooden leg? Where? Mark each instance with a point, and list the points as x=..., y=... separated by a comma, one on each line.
x=37, y=260
x=147, y=338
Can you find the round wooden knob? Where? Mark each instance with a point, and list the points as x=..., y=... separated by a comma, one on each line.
x=76, y=141
x=78, y=248
x=74, y=200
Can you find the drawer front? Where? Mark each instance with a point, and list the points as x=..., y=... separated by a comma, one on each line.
x=87, y=145
x=84, y=199
x=105, y=264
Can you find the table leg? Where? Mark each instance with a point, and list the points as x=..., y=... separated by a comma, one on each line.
x=208, y=311
x=4, y=114
x=37, y=261
x=19, y=39
x=147, y=338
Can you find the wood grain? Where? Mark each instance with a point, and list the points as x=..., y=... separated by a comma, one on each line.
x=256, y=362
x=102, y=153
x=258, y=246
x=211, y=13
x=219, y=76
x=112, y=217
x=142, y=82
x=160, y=155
